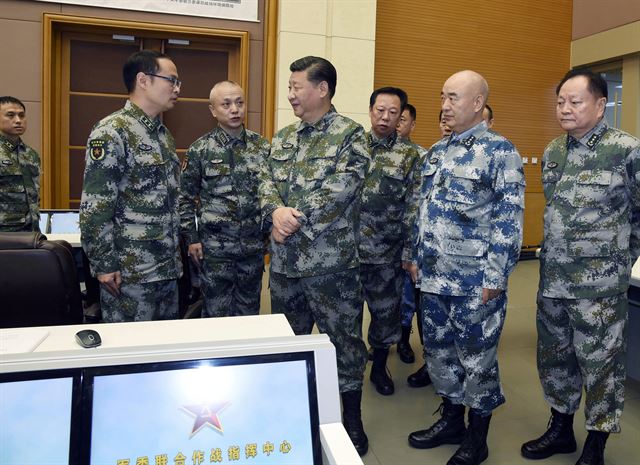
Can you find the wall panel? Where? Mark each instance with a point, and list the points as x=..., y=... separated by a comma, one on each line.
x=521, y=47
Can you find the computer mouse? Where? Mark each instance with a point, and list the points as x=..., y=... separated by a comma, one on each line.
x=88, y=338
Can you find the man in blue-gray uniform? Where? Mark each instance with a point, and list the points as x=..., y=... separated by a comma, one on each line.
x=591, y=180
x=129, y=216
x=470, y=192
x=309, y=196
x=382, y=231
x=19, y=171
x=219, y=184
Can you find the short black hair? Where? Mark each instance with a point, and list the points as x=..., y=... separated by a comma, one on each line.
x=8, y=99
x=597, y=85
x=412, y=110
x=318, y=69
x=144, y=61
x=401, y=94
x=490, y=110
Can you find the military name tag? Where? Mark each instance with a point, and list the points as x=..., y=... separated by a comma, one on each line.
x=552, y=164
x=96, y=149
x=7, y=162
x=287, y=146
x=216, y=161
x=145, y=148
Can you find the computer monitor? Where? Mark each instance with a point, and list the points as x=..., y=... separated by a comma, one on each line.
x=36, y=412
x=44, y=222
x=259, y=409
x=65, y=222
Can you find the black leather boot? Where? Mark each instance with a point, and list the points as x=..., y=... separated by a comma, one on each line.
x=449, y=429
x=473, y=449
x=558, y=439
x=379, y=375
x=352, y=420
x=420, y=378
x=593, y=450
x=404, y=346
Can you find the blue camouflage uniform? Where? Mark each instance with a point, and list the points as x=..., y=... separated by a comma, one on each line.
x=591, y=240
x=383, y=233
x=129, y=217
x=219, y=184
x=470, y=192
x=319, y=170
x=19, y=187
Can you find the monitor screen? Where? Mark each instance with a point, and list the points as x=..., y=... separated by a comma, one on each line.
x=44, y=223
x=65, y=223
x=257, y=410
x=35, y=420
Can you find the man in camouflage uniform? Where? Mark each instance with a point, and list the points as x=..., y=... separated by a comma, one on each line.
x=129, y=216
x=591, y=180
x=410, y=294
x=382, y=234
x=219, y=183
x=19, y=171
x=471, y=196
x=309, y=195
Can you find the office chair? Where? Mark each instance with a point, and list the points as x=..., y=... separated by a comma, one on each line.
x=38, y=282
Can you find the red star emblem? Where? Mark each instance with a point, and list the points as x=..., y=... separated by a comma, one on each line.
x=206, y=415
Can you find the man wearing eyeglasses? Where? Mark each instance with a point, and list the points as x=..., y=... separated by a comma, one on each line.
x=129, y=209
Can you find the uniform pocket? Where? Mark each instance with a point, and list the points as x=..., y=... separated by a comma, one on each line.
x=143, y=232
x=463, y=185
x=319, y=166
x=465, y=247
x=589, y=248
x=591, y=189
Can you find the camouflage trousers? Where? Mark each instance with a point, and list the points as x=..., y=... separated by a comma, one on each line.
x=382, y=291
x=582, y=342
x=461, y=336
x=157, y=300
x=333, y=302
x=410, y=295
x=231, y=287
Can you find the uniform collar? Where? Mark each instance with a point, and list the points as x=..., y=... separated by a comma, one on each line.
x=386, y=142
x=321, y=125
x=468, y=137
x=225, y=139
x=10, y=145
x=137, y=113
x=591, y=139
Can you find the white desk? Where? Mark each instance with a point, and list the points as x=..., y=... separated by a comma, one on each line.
x=125, y=343
x=71, y=238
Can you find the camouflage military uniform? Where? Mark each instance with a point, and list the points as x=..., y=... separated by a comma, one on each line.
x=591, y=240
x=129, y=214
x=219, y=183
x=318, y=169
x=382, y=234
x=410, y=295
x=469, y=234
x=19, y=187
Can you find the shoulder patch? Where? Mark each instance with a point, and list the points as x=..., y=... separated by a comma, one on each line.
x=96, y=149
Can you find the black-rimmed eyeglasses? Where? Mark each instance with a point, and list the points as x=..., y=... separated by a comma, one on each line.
x=175, y=82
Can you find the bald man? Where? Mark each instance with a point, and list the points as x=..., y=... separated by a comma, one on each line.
x=219, y=185
x=469, y=197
